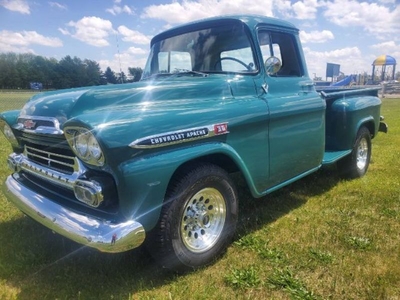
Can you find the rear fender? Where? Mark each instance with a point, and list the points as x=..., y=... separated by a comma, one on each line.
x=346, y=116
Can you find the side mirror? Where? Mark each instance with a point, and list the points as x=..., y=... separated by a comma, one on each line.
x=272, y=65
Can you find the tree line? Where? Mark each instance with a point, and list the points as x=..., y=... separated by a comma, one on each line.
x=18, y=71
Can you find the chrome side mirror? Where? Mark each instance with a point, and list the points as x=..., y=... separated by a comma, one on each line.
x=272, y=65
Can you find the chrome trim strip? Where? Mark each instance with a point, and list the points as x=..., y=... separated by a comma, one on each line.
x=83, y=229
x=180, y=136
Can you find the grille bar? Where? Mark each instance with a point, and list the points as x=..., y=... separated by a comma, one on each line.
x=52, y=160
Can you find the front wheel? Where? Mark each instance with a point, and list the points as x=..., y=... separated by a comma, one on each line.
x=356, y=164
x=197, y=221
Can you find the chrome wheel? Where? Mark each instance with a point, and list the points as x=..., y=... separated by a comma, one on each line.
x=198, y=220
x=203, y=220
x=362, y=154
x=356, y=164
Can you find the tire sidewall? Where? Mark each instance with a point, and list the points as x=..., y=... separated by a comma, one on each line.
x=363, y=134
x=348, y=165
x=183, y=254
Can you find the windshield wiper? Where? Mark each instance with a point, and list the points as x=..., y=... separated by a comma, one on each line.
x=177, y=72
x=189, y=72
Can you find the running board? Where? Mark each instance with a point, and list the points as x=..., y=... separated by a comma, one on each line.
x=331, y=157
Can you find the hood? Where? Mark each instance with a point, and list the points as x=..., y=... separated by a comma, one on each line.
x=67, y=104
x=121, y=114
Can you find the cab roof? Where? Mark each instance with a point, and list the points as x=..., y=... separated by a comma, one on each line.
x=252, y=21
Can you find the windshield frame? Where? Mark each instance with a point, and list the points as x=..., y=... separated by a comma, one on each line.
x=152, y=68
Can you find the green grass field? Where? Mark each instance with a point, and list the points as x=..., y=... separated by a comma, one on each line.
x=319, y=238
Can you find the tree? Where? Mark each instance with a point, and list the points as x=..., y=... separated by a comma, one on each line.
x=121, y=78
x=136, y=73
x=93, y=72
x=70, y=72
x=11, y=79
x=64, y=73
x=110, y=76
x=19, y=70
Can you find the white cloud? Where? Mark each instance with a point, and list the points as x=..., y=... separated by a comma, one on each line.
x=137, y=51
x=116, y=10
x=20, y=41
x=133, y=57
x=186, y=10
x=283, y=6
x=374, y=18
x=64, y=31
x=387, y=48
x=20, y=6
x=90, y=30
x=302, y=10
x=350, y=59
x=305, y=10
x=316, y=36
x=58, y=5
x=133, y=36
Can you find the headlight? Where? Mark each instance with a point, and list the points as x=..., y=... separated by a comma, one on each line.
x=94, y=147
x=8, y=133
x=85, y=145
x=81, y=143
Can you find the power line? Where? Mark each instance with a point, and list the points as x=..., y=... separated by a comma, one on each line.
x=119, y=59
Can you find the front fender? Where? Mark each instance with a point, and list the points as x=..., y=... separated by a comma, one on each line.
x=143, y=182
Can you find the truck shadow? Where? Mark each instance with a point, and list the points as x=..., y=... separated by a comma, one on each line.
x=255, y=213
x=40, y=264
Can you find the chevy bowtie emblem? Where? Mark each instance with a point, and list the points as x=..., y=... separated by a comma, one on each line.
x=29, y=124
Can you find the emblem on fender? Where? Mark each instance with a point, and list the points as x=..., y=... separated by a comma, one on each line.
x=180, y=136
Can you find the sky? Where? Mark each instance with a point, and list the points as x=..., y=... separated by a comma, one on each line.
x=117, y=33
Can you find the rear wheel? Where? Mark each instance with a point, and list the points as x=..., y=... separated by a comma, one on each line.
x=198, y=219
x=356, y=164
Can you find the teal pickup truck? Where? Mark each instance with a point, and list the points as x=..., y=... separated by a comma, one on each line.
x=113, y=167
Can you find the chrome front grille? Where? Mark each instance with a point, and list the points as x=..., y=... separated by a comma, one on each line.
x=47, y=157
x=48, y=164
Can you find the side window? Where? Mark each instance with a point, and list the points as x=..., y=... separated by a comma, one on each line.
x=170, y=62
x=284, y=47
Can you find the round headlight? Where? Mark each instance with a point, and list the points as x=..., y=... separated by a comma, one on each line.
x=85, y=145
x=8, y=133
x=81, y=143
x=94, y=147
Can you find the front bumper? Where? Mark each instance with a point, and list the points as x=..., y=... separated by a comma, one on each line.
x=86, y=230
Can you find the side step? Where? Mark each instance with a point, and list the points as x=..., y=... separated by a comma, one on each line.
x=331, y=157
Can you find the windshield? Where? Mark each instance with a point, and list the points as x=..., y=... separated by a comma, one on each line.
x=217, y=49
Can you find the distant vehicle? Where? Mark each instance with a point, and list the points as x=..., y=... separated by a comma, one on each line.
x=112, y=167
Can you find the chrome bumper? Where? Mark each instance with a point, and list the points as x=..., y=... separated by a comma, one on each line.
x=83, y=229
x=382, y=125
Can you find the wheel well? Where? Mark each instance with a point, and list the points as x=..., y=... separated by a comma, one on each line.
x=220, y=160
x=371, y=128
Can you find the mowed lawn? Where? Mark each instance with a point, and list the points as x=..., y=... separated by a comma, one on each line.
x=320, y=238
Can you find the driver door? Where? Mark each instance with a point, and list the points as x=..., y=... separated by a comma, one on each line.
x=297, y=113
